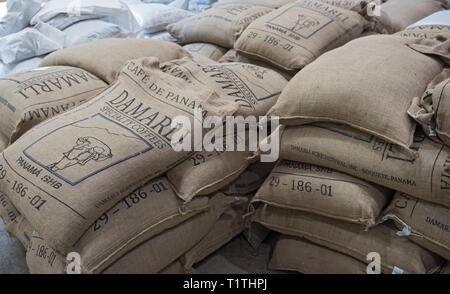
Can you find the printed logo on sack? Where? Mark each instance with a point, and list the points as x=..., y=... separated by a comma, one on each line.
x=190, y=138
x=89, y=150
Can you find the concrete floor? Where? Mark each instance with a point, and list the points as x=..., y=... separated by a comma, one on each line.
x=237, y=257
x=12, y=254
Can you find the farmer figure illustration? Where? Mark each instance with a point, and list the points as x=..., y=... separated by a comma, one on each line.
x=85, y=150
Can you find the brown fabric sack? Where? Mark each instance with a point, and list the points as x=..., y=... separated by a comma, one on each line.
x=446, y=269
x=250, y=180
x=208, y=50
x=175, y=268
x=43, y=259
x=431, y=32
x=297, y=254
x=220, y=25
x=396, y=15
x=159, y=252
x=323, y=191
x=229, y=225
x=140, y=216
x=425, y=223
x=3, y=142
x=207, y=172
x=254, y=88
x=430, y=111
x=105, y=58
x=365, y=156
x=104, y=149
x=361, y=86
x=399, y=254
x=296, y=34
x=233, y=56
x=266, y=3
x=29, y=98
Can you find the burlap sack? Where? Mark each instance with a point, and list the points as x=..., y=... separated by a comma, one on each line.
x=431, y=32
x=43, y=259
x=294, y=35
x=446, y=269
x=207, y=172
x=208, y=50
x=396, y=15
x=297, y=254
x=233, y=56
x=397, y=254
x=221, y=25
x=323, y=191
x=372, y=159
x=250, y=180
x=361, y=86
x=425, y=223
x=105, y=58
x=229, y=225
x=254, y=88
x=3, y=142
x=15, y=224
x=105, y=149
x=29, y=98
x=160, y=251
x=140, y=216
x=266, y=3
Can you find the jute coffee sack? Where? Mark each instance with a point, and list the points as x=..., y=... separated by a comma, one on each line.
x=221, y=25
x=396, y=15
x=31, y=97
x=297, y=254
x=105, y=58
x=425, y=223
x=446, y=269
x=157, y=253
x=319, y=190
x=15, y=224
x=229, y=225
x=211, y=51
x=3, y=142
x=105, y=149
x=360, y=85
x=432, y=110
x=296, y=34
x=207, y=172
x=233, y=56
x=250, y=180
x=365, y=156
x=175, y=268
x=431, y=32
x=254, y=88
x=266, y=3
x=140, y=216
x=43, y=259
x=397, y=253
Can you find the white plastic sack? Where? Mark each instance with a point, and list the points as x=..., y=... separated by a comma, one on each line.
x=88, y=30
x=437, y=18
x=155, y=17
x=19, y=14
x=21, y=66
x=63, y=13
x=30, y=42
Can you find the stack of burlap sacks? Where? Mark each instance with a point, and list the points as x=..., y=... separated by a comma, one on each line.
x=357, y=175
x=100, y=178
